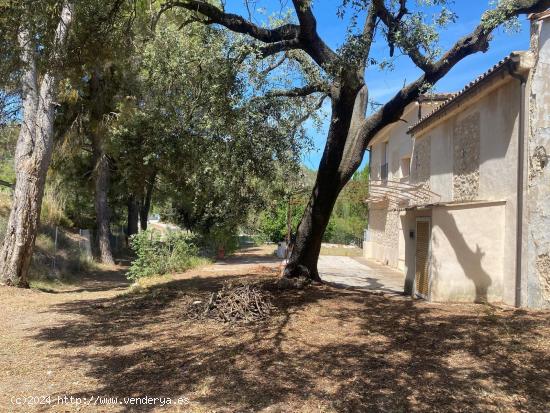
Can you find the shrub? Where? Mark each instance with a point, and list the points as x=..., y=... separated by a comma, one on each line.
x=347, y=231
x=158, y=254
x=273, y=224
x=219, y=238
x=53, y=210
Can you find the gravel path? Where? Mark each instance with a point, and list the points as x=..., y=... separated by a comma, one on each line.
x=360, y=274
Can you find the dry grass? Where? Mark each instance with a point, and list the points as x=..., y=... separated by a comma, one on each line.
x=322, y=350
x=342, y=251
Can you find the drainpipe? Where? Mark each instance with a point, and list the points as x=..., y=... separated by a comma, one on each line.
x=521, y=154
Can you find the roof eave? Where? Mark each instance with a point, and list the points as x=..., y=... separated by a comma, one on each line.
x=518, y=62
x=413, y=105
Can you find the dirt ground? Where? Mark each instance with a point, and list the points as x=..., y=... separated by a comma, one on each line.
x=323, y=350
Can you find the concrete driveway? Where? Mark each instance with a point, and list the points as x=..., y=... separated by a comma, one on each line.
x=359, y=273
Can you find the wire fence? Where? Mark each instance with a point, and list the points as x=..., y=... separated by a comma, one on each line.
x=59, y=251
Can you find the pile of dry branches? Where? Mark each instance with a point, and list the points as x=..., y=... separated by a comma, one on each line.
x=233, y=303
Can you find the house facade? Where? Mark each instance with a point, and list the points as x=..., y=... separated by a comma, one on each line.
x=458, y=187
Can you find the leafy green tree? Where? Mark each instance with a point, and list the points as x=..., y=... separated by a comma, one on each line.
x=41, y=45
x=40, y=48
x=193, y=125
x=350, y=213
x=348, y=219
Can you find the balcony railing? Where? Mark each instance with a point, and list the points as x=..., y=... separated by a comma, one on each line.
x=400, y=194
x=384, y=172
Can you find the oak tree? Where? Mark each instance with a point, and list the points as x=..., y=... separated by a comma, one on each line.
x=403, y=25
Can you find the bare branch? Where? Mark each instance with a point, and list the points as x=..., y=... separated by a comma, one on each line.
x=277, y=63
x=300, y=91
x=310, y=112
x=8, y=184
x=313, y=45
x=308, y=24
x=285, y=45
x=368, y=32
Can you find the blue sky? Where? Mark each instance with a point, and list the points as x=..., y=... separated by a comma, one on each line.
x=383, y=84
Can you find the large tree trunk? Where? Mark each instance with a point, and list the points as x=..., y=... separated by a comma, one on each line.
x=102, y=171
x=32, y=158
x=133, y=216
x=341, y=157
x=101, y=204
x=146, y=204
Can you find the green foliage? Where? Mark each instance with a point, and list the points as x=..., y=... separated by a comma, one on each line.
x=273, y=223
x=349, y=216
x=53, y=210
x=222, y=238
x=158, y=254
x=184, y=108
x=350, y=213
x=345, y=230
x=216, y=148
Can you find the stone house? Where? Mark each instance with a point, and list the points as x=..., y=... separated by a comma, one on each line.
x=459, y=195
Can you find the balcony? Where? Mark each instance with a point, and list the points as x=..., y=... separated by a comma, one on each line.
x=399, y=194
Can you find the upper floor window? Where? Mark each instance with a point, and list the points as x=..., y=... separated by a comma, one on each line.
x=384, y=165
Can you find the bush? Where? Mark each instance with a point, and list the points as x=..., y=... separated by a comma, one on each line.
x=219, y=238
x=158, y=254
x=273, y=224
x=347, y=231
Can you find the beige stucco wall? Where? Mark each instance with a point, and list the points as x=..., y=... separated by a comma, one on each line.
x=469, y=156
x=399, y=145
x=467, y=253
x=487, y=133
x=498, y=168
x=386, y=242
x=484, y=136
x=375, y=162
x=384, y=232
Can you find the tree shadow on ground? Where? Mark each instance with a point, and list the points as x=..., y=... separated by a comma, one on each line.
x=94, y=280
x=324, y=348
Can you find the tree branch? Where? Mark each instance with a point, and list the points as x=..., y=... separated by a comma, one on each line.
x=308, y=24
x=8, y=184
x=274, y=65
x=300, y=91
x=310, y=112
x=392, y=23
x=313, y=45
x=283, y=46
x=368, y=33
x=476, y=41
x=234, y=22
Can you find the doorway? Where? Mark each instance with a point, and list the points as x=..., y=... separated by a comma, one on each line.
x=422, y=257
